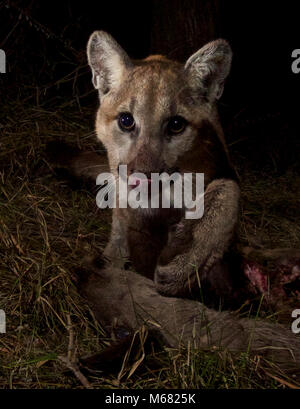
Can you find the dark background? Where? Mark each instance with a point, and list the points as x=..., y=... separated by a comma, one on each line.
x=45, y=46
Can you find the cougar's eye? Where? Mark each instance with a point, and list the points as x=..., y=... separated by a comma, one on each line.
x=126, y=122
x=176, y=125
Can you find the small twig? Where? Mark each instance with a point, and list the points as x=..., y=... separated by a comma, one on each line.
x=70, y=360
x=71, y=349
x=282, y=381
x=76, y=371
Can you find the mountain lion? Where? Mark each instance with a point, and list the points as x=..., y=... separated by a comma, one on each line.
x=158, y=115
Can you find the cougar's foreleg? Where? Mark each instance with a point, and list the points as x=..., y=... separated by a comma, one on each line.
x=116, y=250
x=195, y=248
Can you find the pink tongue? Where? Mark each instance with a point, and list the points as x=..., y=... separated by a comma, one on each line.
x=134, y=181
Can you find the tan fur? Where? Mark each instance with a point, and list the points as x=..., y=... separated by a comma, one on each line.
x=127, y=300
x=156, y=57
x=178, y=253
x=154, y=90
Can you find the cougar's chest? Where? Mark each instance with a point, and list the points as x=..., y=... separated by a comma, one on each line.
x=147, y=235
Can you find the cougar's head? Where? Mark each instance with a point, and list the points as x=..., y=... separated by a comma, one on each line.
x=159, y=115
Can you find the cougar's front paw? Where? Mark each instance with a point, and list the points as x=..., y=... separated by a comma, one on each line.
x=167, y=281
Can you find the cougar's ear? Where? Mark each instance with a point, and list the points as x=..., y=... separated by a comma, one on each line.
x=209, y=67
x=108, y=61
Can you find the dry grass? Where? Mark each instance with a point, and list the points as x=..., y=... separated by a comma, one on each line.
x=270, y=211
x=46, y=228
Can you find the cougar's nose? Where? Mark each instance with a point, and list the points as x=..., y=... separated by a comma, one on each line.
x=146, y=161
